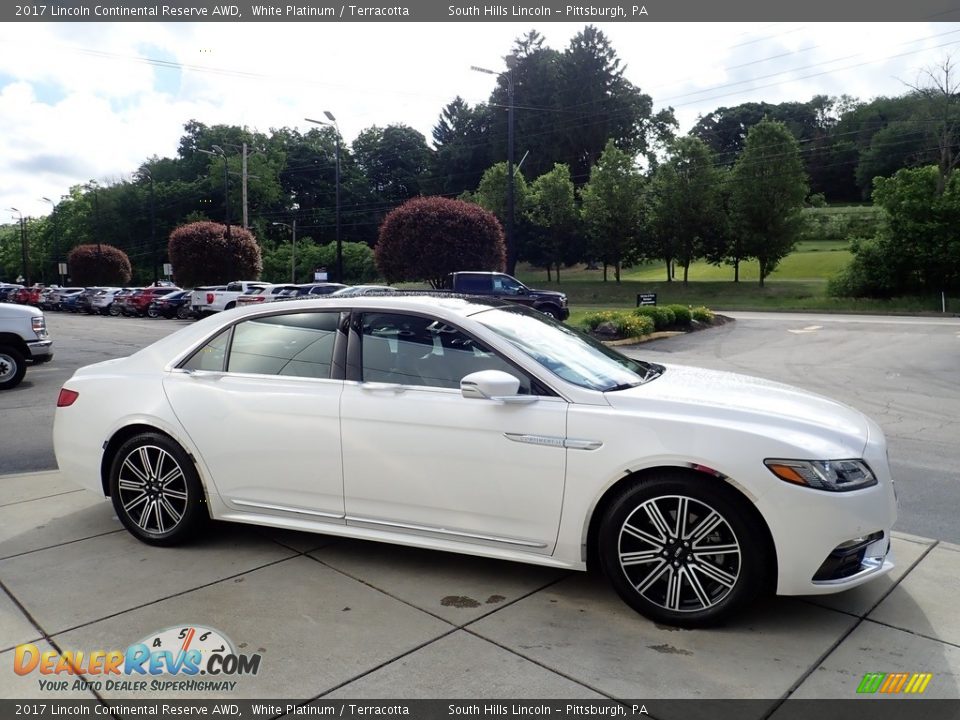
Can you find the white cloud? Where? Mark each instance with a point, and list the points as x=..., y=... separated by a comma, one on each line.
x=93, y=100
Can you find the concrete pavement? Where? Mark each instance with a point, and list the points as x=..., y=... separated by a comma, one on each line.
x=338, y=618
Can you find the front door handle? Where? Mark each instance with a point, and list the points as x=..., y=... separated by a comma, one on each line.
x=395, y=388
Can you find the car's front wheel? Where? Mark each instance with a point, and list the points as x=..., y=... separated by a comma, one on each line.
x=156, y=491
x=682, y=550
x=12, y=367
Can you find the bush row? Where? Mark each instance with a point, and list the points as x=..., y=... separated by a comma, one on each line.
x=647, y=319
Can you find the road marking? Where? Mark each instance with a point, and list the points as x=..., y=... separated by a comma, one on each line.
x=808, y=329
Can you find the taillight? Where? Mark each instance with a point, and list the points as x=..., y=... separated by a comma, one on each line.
x=209, y=298
x=67, y=397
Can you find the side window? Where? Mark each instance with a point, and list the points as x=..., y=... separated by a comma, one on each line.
x=413, y=350
x=505, y=285
x=299, y=345
x=473, y=283
x=210, y=356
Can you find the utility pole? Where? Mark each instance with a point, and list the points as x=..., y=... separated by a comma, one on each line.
x=244, y=170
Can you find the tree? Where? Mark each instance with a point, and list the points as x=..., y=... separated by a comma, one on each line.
x=462, y=148
x=685, y=212
x=92, y=265
x=553, y=211
x=393, y=160
x=613, y=209
x=917, y=248
x=428, y=238
x=603, y=105
x=768, y=189
x=202, y=253
x=939, y=92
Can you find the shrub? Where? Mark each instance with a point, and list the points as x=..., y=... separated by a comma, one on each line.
x=92, y=265
x=681, y=314
x=702, y=314
x=201, y=253
x=661, y=315
x=632, y=325
x=429, y=237
x=593, y=320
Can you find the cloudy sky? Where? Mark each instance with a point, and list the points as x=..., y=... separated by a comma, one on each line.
x=82, y=101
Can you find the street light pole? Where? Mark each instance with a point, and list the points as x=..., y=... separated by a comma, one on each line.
x=24, y=266
x=511, y=240
x=333, y=123
x=219, y=151
x=293, y=248
x=153, y=225
x=56, y=237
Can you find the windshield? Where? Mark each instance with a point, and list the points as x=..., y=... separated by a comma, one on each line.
x=567, y=353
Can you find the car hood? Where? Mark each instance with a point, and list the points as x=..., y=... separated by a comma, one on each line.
x=785, y=411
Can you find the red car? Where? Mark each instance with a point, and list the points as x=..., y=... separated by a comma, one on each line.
x=138, y=302
x=27, y=295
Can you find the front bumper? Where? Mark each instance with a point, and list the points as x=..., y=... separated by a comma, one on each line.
x=40, y=350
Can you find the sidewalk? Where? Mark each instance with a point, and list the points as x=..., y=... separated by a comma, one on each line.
x=349, y=619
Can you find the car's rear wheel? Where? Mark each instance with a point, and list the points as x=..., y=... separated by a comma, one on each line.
x=12, y=367
x=682, y=550
x=184, y=312
x=156, y=491
x=113, y=310
x=153, y=312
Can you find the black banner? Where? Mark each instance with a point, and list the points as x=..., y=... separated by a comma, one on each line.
x=579, y=11
x=854, y=709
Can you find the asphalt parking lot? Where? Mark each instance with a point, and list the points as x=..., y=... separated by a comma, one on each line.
x=903, y=372
x=336, y=618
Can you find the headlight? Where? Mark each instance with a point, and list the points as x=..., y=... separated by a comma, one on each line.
x=832, y=475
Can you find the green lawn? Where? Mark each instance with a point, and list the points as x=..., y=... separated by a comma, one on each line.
x=799, y=283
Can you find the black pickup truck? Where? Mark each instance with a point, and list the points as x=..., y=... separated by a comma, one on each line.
x=509, y=288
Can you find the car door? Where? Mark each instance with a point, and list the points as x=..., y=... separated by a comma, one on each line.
x=261, y=406
x=420, y=458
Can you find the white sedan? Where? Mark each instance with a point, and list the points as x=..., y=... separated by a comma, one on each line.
x=488, y=429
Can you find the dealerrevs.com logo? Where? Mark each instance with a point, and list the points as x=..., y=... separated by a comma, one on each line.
x=185, y=652
x=895, y=683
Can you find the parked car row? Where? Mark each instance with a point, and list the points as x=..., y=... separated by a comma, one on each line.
x=169, y=301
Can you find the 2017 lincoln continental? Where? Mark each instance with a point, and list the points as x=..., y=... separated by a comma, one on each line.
x=485, y=428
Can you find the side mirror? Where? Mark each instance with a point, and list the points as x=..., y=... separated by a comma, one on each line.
x=494, y=385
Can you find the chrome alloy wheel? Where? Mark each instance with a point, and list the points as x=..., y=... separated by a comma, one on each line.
x=679, y=553
x=153, y=489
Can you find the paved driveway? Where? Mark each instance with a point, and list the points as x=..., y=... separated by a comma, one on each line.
x=348, y=619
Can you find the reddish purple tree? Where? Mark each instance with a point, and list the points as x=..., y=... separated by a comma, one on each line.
x=201, y=253
x=427, y=238
x=93, y=265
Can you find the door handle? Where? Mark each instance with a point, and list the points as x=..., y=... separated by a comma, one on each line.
x=395, y=388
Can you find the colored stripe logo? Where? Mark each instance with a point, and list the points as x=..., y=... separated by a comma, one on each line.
x=894, y=683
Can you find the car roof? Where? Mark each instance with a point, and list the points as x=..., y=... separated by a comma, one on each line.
x=407, y=301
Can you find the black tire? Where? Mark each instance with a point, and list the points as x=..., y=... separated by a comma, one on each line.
x=113, y=310
x=552, y=311
x=665, y=570
x=152, y=312
x=13, y=367
x=154, y=510
x=184, y=313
